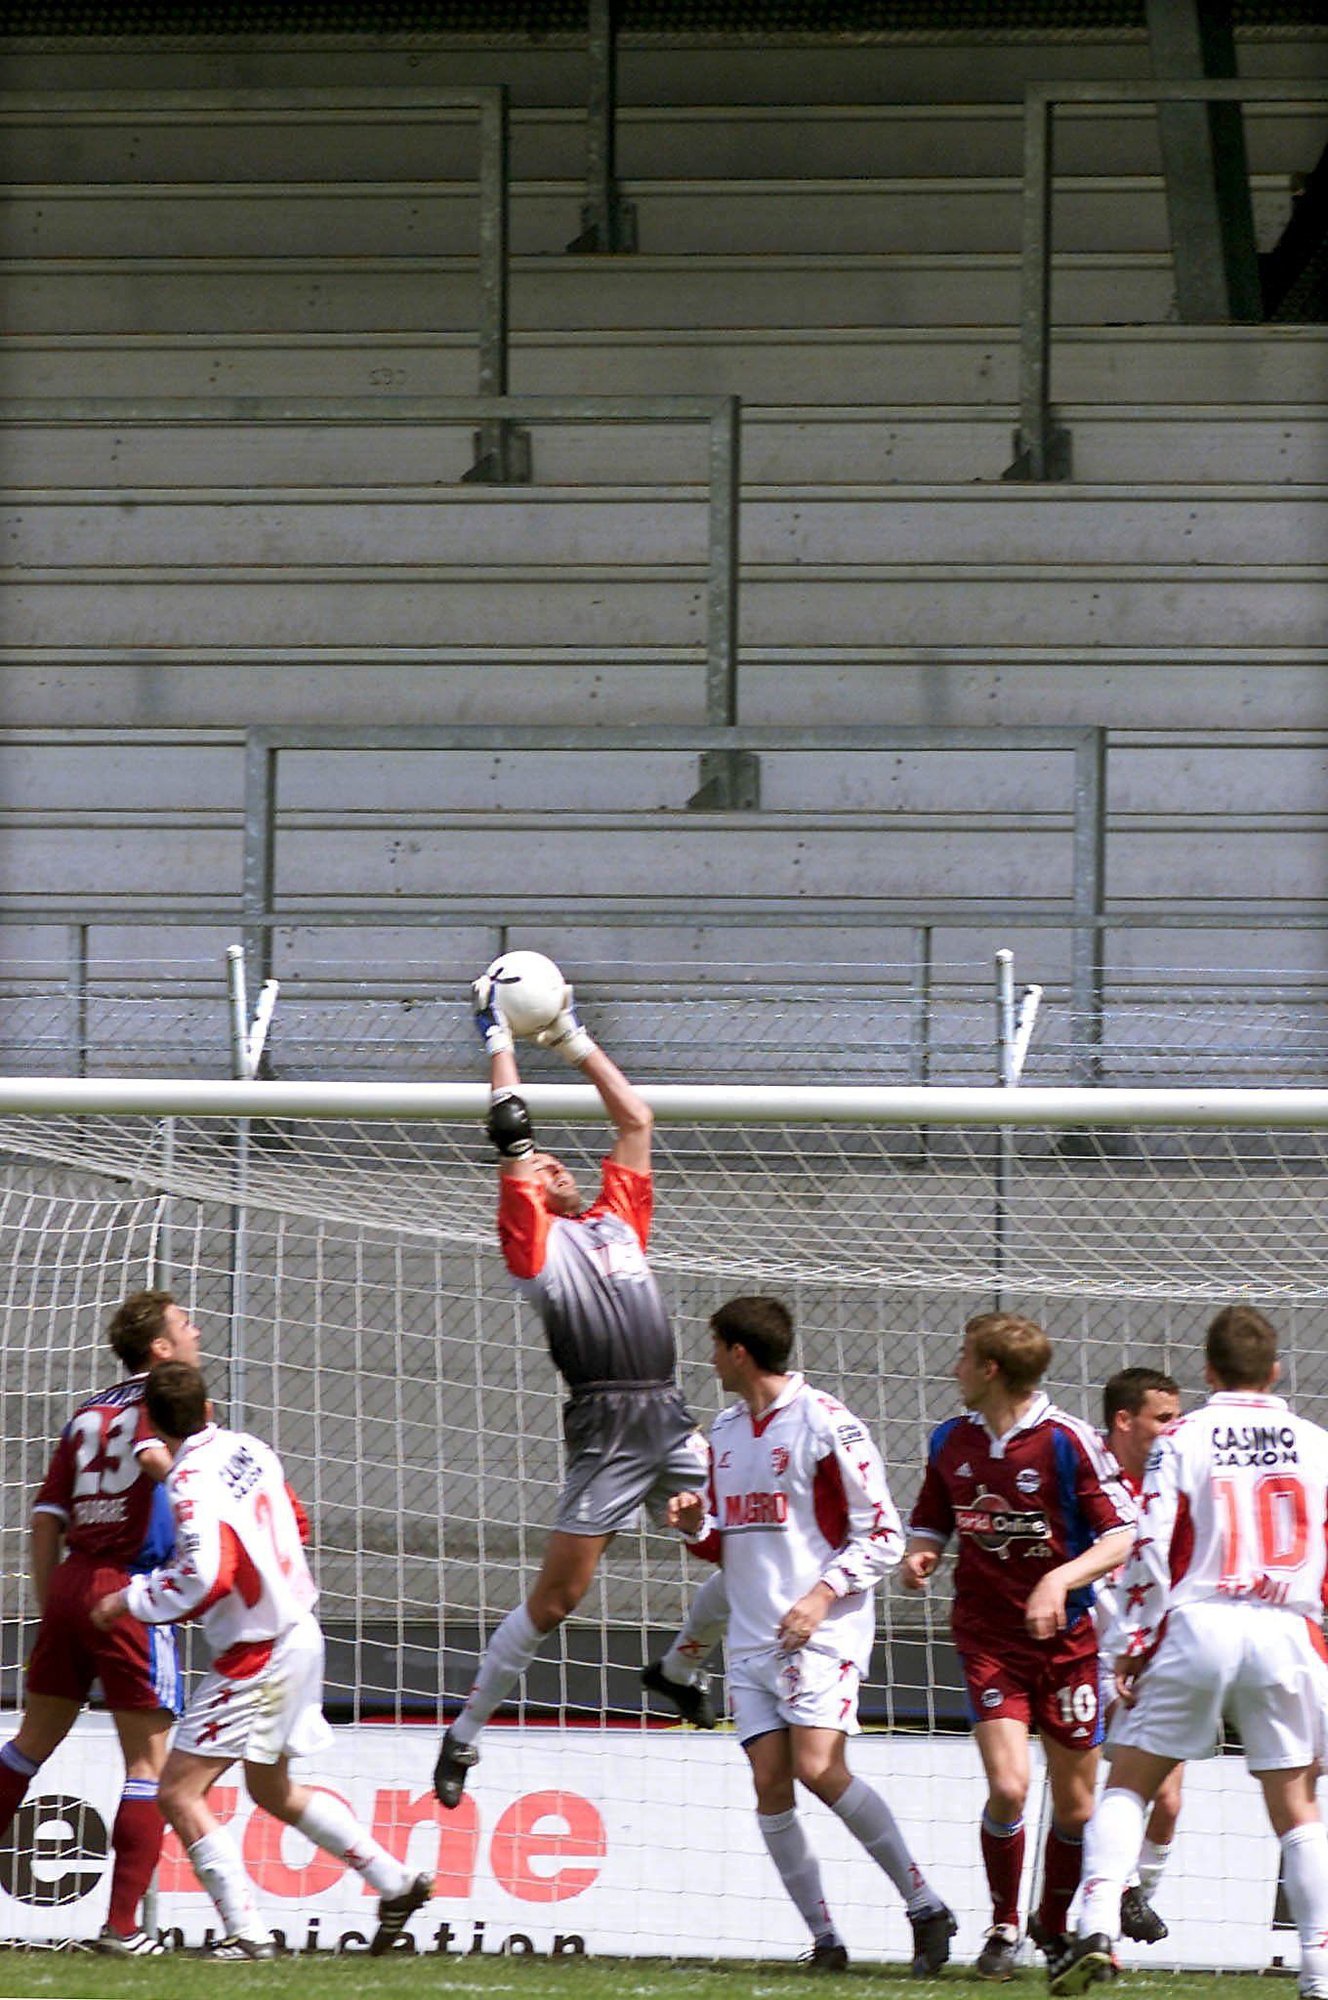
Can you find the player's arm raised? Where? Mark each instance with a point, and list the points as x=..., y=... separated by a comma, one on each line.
x=508, y=1123
x=630, y=1115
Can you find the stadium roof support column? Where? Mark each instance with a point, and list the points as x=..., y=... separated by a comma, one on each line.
x=1203, y=158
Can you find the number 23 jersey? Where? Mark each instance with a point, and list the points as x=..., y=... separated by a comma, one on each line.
x=112, y=1510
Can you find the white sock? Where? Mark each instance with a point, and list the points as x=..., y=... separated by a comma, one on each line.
x=704, y=1626
x=331, y=1825
x=1112, y=1840
x=1152, y=1865
x=216, y=1862
x=799, y=1871
x=871, y=1822
x=1305, y=1878
x=509, y=1652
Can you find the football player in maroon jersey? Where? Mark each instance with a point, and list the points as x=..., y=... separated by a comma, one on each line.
x=102, y=1500
x=1039, y=1513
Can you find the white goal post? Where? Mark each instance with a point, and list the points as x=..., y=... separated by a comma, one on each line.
x=336, y=1243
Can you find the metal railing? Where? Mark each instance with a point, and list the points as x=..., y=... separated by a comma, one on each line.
x=1086, y=746
x=1042, y=447
x=501, y=455
x=726, y=779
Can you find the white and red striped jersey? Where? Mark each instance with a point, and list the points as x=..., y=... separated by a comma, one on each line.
x=1108, y=1597
x=1234, y=1507
x=798, y=1496
x=239, y=1565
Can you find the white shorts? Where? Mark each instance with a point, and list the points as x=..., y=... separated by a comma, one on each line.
x=802, y=1690
x=275, y=1713
x=1258, y=1666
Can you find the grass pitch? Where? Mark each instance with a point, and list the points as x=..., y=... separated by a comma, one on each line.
x=65, y=1976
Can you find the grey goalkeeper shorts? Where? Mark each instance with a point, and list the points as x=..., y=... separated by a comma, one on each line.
x=628, y=1446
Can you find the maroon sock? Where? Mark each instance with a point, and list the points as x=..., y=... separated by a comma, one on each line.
x=1060, y=1878
x=1003, y=1859
x=14, y=1783
x=136, y=1843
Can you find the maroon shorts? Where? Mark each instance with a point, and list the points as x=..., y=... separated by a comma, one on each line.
x=137, y=1665
x=1052, y=1688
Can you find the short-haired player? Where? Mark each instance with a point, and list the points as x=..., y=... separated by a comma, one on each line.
x=1222, y=1618
x=798, y=1511
x=239, y=1569
x=1039, y=1514
x=99, y=1517
x=1138, y=1403
x=582, y=1267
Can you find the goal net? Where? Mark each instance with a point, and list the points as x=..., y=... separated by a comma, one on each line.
x=336, y=1245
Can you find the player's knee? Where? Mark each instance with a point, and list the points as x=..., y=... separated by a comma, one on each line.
x=269, y=1786
x=172, y=1796
x=1006, y=1801
x=820, y=1770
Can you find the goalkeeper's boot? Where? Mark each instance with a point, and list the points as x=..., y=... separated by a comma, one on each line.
x=999, y=1956
x=692, y=1699
x=932, y=1932
x=395, y=1912
x=1084, y=1962
x=1139, y=1921
x=827, y=1955
x=455, y=1762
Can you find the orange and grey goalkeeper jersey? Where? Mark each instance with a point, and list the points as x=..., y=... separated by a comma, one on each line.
x=798, y=1496
x=1234, y=1508
x=239, y=1565
x=588, y=1279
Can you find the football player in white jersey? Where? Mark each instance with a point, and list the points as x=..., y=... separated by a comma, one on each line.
x=1222, y=1617
x=799, y=1513
x=239, y=1569
x=1137, y=1405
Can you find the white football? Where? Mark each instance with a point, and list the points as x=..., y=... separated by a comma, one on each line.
x=529, y=990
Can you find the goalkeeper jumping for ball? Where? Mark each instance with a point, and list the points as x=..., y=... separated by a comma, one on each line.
x=630, y=1439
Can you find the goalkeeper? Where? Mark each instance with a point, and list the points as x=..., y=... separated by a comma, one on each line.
x=630, y=1439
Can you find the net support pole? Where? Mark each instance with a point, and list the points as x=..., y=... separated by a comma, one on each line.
x=1007, y=1077
x=241, y=1072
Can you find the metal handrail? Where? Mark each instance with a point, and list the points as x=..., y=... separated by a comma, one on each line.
x=1042, y=447
x=721, y=414
x=1086, y=745
x=490, y=101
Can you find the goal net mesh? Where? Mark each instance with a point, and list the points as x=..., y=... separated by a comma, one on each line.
x=356, y=1313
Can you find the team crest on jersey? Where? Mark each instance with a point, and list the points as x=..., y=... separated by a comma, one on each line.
x=779, y=1460
x=996, y=1525
x=1028, y=1479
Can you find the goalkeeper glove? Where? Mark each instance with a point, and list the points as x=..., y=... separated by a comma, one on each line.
x=508, y=1126
x=493, y=1029
x=566, y=1035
